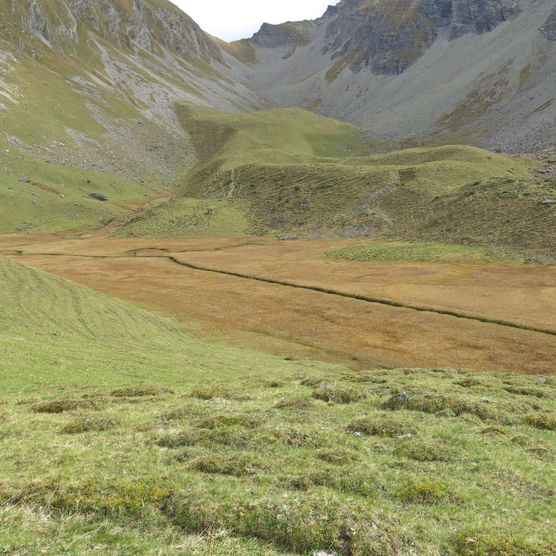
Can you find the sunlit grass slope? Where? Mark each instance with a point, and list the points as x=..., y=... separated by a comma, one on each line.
x=120, y=434
x=35, y=195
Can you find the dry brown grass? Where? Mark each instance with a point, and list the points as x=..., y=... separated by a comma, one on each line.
x=295, y=322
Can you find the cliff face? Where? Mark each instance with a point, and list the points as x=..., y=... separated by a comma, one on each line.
x=389, y=36
x=130, y=25
x=549, y=28
x=284, y=34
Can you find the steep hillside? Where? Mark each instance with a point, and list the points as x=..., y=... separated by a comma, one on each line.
x=87, y=92
x=472, y=70
x=292, y=173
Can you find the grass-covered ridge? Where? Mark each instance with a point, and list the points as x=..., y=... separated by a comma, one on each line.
x=299, y=174
x=122, y=434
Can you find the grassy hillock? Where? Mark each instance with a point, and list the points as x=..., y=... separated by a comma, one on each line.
x=121, y=434
x=294, y=173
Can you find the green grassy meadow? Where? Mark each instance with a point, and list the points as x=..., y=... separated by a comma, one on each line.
x=300, y=174
x=121, y=434
x=415, y=252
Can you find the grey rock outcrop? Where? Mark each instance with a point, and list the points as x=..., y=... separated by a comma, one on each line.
x=549, y=28
x=389, y=36
x=285, y=34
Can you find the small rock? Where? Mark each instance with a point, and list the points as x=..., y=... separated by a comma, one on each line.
x=542, y=380
x=98, y=196
x=548, y=202
x=323, y=553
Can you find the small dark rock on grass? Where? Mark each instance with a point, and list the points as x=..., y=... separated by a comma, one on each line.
x=98, y=196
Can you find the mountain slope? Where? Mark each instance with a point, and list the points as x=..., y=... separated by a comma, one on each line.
x=92, y=83
x=292, y=173
x=87, y=93
x=481, y=71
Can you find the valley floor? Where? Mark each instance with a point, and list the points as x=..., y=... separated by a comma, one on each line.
x=302, y=299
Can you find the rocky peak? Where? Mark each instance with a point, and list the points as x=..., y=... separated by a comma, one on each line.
x=146, y=24
x=284, y=34
x=390, y=35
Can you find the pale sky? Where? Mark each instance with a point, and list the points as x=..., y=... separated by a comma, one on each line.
x=237, y=19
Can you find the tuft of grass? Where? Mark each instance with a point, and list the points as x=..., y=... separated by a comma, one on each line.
x=424, y=451
x=338, y=393
x=545, y=421
x=229, y=420
x=140, y=391
x=179, y=440
x=381, y=426
x=338, y=456
x=211, y=392
x=357, y=482
x=236, y=465
x=63, y=405
x=438, y=403
x=298, y=404
x=498, y=543
x=414, y=252
x=96, y=496
x=90, y=423
x=303, y=523
x=425, y=491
